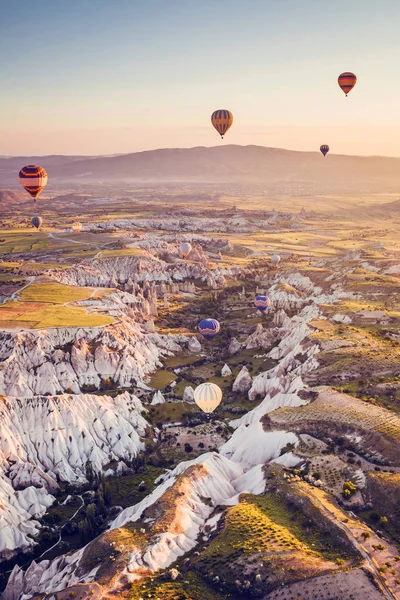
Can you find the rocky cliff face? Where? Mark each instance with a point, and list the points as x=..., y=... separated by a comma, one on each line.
x=193, y=224
x=108, y=272
x=68, y=359
x=47, y=439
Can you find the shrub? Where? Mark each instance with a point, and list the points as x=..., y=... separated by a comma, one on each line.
x=348, y=489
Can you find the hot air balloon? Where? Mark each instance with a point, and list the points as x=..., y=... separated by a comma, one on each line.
x=76, y=226
x=33, y=179
x=208, y=328
x=347, y=81
x=262, y=302
x=324, y=149
x=185, y=248
x=208, y=396
x=37, y=221
x=222, y=120
x=275, y=259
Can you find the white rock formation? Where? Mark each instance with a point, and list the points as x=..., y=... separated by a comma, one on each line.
x=194, y=345
x=339, y=318
x=251, y=445
x=234, y=346
x=188, y=394
x=226, y=371
x=45, y=438
x=63, y=360
x=261, y=338
x=243, y=381
x=138, y=269
x=158, y=398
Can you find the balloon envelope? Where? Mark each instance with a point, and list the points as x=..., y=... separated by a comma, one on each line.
x=262, y=302
x=37, y=221
x=33, y=178
x=222, y=120
x=77, y=227
x=209, y=328
x=324, y=149
x=275, y=259
x=347, y=81
x=185, y=248
x=208, y=396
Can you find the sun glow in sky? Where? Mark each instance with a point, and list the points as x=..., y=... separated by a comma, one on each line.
x=102, y=77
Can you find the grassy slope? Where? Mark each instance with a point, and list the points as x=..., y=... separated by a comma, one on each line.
x=268, y=537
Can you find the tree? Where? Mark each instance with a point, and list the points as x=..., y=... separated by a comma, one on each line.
x=348, y=489
x=90, y=474
x=91, y=515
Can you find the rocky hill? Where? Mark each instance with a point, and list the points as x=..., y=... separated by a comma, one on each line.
x=225, y=163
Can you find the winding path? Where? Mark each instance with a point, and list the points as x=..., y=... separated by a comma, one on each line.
x=60, y=532
x=14, y=294
x=385, y=588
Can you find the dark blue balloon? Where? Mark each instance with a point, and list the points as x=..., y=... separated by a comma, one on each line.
x=37, y=221
x=209, y=328
x=262, y=302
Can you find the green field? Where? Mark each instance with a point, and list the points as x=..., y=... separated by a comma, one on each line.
x=55, y=293
x=38, y=315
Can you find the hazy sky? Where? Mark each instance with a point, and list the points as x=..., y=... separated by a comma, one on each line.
x=114, y=76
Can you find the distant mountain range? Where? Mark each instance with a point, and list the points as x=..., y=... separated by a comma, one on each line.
x=225, y=163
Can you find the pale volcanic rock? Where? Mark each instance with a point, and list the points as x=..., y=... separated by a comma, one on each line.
x=261, y=338
x=150, y=327
x=226, y=371
x=339, y=318
x=234, y=346
x=291, y=341
x=188, y=394
x=194, y=345
x=268, y=383
x=17, y=528
x=158, y=398
x=393, y=270
x=23, y=474
x=269, y=404
x=109, y=272
x=294, y=332
x=280, y=318
x=243, y=381
x=60, y=434
x=61, y=359
x=288, y=460
x=251, y=445
x=45, y=438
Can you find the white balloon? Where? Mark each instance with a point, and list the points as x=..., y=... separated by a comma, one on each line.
x=208, y=396
x=185, y=248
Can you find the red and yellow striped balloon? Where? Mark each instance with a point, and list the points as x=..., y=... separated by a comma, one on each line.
x=347, y=81
x=33, y=178
x=222, y=120
x=76, y=227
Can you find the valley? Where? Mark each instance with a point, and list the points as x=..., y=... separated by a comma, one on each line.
x=113, y=482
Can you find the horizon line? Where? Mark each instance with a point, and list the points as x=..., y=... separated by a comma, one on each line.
x=117, y=154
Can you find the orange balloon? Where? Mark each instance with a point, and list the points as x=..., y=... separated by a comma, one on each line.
x=33, y=178
x=222, y=119
x=347, y=81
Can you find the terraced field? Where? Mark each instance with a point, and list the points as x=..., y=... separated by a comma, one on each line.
x=375, y=430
